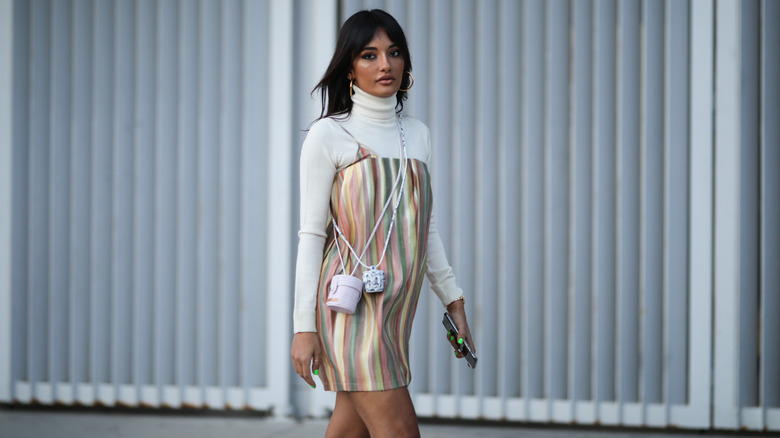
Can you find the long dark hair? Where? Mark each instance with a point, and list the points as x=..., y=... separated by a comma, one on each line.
x=355, y=34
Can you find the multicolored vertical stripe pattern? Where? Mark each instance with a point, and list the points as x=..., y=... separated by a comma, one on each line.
x=369, y=350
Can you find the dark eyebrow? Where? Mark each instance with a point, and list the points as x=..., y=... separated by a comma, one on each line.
x=374, y=48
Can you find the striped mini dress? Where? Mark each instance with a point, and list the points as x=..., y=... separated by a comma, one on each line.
x=369, y=350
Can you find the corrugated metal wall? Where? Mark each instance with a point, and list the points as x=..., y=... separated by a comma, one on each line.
x=149, y=210
x=563, y=187
x=610, y=217
x=747, y=217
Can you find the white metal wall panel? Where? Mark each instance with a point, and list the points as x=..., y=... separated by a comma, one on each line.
x=769, y=395
x=6, y=194
x=746, y=359
x=726, y=213
x=652, y=203
x=611, y=219
x=700, y=279
x=581, y=242
x=147, y=208
x=573, y=185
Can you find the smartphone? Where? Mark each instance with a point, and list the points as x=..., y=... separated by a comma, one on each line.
x=465, y=348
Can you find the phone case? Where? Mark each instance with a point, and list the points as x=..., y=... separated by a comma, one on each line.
x=465, y=348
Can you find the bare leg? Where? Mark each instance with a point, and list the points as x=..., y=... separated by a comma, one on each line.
x=345, y=421
x=387, y=413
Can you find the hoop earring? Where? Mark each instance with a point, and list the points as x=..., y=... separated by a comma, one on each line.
x=411, y=84
x=351, y=91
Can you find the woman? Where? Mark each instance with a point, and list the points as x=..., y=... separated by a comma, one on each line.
x=366, y=207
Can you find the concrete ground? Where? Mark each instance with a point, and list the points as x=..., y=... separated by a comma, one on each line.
x=68, y=423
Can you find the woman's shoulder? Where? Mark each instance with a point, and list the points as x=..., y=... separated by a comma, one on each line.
x=327, y=140
x=415, y=128
x=414, y=124
x=327, y=131
x=324, y=127
x=419, y=134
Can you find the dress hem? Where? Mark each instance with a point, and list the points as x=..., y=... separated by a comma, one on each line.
x=354, y=388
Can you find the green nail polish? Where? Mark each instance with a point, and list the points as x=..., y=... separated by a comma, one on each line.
x=316, y=372
x=460, y=340
x=452, y=338
x=312, y=386
x=456, y=353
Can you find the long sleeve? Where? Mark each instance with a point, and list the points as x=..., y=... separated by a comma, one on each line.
x=439, y=272
x=317, y=170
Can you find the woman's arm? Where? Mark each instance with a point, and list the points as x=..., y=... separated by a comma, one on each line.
x=441, y=276
x=439, y=271
x=317, y=170
x=443, y=284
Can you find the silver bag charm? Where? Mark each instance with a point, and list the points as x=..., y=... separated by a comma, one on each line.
x=374, y=280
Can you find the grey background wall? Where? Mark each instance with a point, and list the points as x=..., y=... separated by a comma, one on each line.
x=605, y=179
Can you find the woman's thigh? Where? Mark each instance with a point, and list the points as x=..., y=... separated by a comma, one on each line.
x=386, y=413
x=345, y=421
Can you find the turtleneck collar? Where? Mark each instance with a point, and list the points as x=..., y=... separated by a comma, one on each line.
x=373, y=107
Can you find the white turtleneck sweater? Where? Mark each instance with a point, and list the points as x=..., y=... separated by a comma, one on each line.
x=327, y=150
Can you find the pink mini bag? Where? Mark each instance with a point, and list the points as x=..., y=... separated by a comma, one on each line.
x=344, y=293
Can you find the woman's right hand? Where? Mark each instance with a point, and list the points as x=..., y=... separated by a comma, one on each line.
x=306, y=355
x=457, y=312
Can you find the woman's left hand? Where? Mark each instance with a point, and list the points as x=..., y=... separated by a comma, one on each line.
x=457, y=311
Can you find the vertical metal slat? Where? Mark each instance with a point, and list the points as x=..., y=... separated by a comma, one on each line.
x=279, y=208
x=749, y=198
x=701, y=207
x=166, y=24
x=229, y=180
x=418, y=35
x=207, y=245
x=40, y=156
x=187, y=198
x=101, y=237
x=628, y=219
x=21, y=195
x=651, y=208
x=604, y=206
x=6, y=199
x=486, y=191
x=532, y=221
x=509, y=200
x=770, y=207
x=81, y=202
x=726, y=239
x=556, y=196
x=581, y=165
x=60, y=196
x=676, y=204
x=122, y=208
x=254, y=124
x=144, y=189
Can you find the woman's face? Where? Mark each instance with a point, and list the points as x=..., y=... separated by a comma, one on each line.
x=379, y=68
